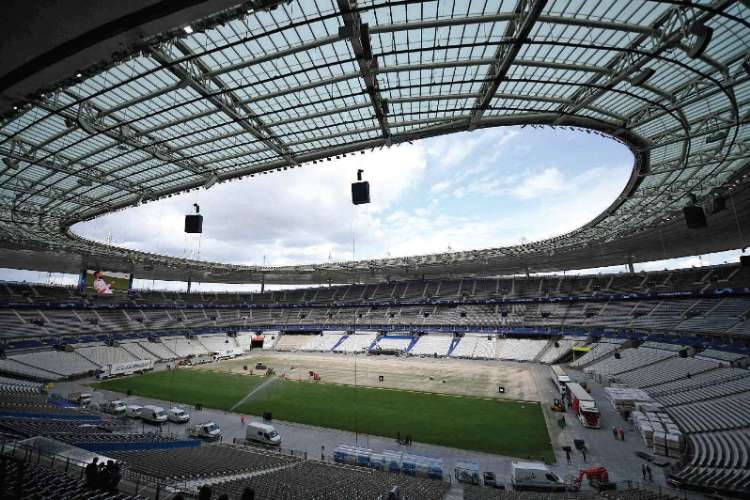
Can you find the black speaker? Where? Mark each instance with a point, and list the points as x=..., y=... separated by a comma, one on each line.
x=194, y=223
x=501, y=389
x=717, y=204
x=745, y=260
x=695, y=217
x=360, y=192
x=683, y=353
x=617, y=355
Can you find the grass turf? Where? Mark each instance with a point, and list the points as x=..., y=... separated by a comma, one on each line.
x=508, y=428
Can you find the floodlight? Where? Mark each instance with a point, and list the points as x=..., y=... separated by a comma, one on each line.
x=188, y=29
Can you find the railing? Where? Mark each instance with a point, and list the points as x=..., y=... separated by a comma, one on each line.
x=131, y=483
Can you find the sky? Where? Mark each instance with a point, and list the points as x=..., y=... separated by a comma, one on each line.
x=479, y=189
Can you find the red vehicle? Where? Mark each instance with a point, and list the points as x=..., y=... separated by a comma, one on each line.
x=584, y=406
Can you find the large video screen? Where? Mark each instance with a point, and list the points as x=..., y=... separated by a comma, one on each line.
x=107, y=282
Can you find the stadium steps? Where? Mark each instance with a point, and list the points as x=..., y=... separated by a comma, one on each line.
x=343, y=338
x=454, y=344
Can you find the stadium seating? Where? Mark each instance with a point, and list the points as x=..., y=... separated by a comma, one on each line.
x=324, y=342
x=563, y=348
x=393, y=343
x=432, y=344
x=358, y=342
x=200, y=462
x=62, y=363
x=519, y=349
x=20, y=479
x=106, y=355
x=291, y=342
x=323, y=481
x=598, y=351
x=629, y=360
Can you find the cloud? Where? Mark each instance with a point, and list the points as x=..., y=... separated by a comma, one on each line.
x=440, y=187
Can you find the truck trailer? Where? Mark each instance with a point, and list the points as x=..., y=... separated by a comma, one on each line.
x=584, y=406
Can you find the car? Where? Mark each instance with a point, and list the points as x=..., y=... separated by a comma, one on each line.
x=490, y=480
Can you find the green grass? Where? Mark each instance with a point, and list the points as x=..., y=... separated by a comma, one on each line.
x=508, y=428
x=211, y=389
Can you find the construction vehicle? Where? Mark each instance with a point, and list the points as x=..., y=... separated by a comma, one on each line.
x=598, y=478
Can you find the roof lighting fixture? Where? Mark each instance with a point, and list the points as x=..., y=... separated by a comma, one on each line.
x=188, y=29
x=78, y=75
x=702, y=34
x=640, y=78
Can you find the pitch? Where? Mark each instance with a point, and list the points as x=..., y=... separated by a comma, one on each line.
x=487, y=424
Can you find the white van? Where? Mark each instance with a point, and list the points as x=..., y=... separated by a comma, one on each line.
x=133, y=411
x=534, y=476
x=262, y=433
x=116, y=407
x=178, y=415
x=153, y=414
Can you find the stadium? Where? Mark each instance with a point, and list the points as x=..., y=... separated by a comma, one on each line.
x=605, y=357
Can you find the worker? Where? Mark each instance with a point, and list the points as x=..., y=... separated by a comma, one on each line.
x=622, y=434
x=583, y=452
x=242, y=419
x=643, y=471
x=650, y=477
x=614, y=431
x=567, y=454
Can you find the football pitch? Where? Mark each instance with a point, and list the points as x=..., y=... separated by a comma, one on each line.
x=508, y=428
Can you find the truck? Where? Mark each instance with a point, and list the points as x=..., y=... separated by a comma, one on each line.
x=534, y=476
x=123, y=369
x=561, y=379
x=205, y=430
x=115, y=407
x=230, y=353
x=584, y=406
x=262, y=433
x=178, y=415
x=153, y=414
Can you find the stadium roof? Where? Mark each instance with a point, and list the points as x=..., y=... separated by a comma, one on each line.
x=266, y=86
